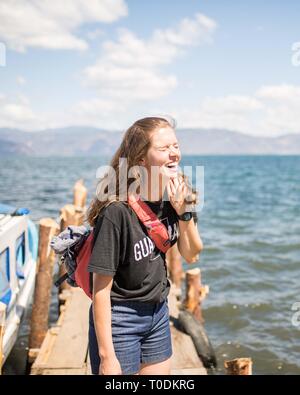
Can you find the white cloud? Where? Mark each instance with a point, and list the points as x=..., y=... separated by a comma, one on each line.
x=96, y=112
x=21, y=80
x=234, y=104
x=282, y=104
x=130, y=83
x=52, y=23
x=229, y=112
x=287, y=92
x=17, y=113
x=271, y=111
x=94, y=34
x=128, y=69
x=189, y=32
x=268, y=112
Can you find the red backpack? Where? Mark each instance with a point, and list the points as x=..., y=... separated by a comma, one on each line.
x=82, y=276
x=77, y=258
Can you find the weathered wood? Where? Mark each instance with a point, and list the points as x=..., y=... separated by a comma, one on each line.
x=64, y=296
x=64, y=372
x=32, y=354
x=70, y=349
x=191, y=319
x=66, y=347
x=80, y=194
x=184, y=353
x=43, y=284
x=196, y=331
x=88, y=365
x=173, y=303
x=174, y=264
x=195, y=293
x=71, y=215
x=189, y=371
x=239, y=366
x=48, y=344
x=2, y=328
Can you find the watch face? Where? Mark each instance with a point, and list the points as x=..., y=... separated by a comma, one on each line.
x=186, y=216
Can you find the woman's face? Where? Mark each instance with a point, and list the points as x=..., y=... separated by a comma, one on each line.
x=164, y=152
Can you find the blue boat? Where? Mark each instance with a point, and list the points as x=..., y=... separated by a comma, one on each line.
x=18, y=259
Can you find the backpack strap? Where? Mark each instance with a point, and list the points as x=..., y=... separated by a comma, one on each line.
x=61, y=279
x=155, y=228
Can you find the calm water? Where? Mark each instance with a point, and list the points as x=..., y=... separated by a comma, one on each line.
x=251, y=231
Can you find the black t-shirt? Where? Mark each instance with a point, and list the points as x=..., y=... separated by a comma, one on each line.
x=123, y=249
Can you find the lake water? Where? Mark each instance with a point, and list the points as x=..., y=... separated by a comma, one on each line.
x=251, y=261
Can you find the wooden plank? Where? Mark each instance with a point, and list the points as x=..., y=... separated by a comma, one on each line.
x=189, y=372
x=184, y=353
x=65, y=372
x=70, y=348
x=43, y=364
x=173, y=304
x=45, y=351
x=88, y=365
x=48, y=343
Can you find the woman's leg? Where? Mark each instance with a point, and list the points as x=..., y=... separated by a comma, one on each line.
x=156, y=345
x=163, y=368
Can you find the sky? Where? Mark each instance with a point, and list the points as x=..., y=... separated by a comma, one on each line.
x=105, y=63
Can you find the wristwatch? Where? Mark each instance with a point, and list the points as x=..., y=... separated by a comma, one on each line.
x=187, y=216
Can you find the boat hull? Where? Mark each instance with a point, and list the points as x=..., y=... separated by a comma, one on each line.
x=18, y=259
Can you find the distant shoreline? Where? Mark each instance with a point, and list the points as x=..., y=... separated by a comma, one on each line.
x=76, y=141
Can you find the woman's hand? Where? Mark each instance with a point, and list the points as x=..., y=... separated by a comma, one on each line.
x=110, y=365
x=178, y=192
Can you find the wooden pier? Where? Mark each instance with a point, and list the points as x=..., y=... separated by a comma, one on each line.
x=64, y=350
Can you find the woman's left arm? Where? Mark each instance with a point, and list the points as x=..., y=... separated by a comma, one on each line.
x=189, y=241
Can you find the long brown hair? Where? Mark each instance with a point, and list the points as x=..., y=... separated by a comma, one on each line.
x=134, y=147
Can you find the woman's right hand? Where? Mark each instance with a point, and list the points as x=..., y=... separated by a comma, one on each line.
x=110, y=365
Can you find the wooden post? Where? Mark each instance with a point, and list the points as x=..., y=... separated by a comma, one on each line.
x=239, y=366
x=43, y=285
x=72, y=214
x=195, y=293
x=80, y=194
x=174, y=264
x=2, y=327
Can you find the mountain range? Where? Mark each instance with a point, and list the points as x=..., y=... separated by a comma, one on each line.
x=84, y=141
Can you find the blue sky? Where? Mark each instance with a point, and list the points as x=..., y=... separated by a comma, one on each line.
x=105, y=63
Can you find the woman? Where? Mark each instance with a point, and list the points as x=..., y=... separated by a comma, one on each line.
x=129, y=319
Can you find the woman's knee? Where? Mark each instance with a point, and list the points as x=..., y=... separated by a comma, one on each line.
x=161, y=368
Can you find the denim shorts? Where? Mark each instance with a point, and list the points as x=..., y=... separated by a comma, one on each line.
x=140, y=334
